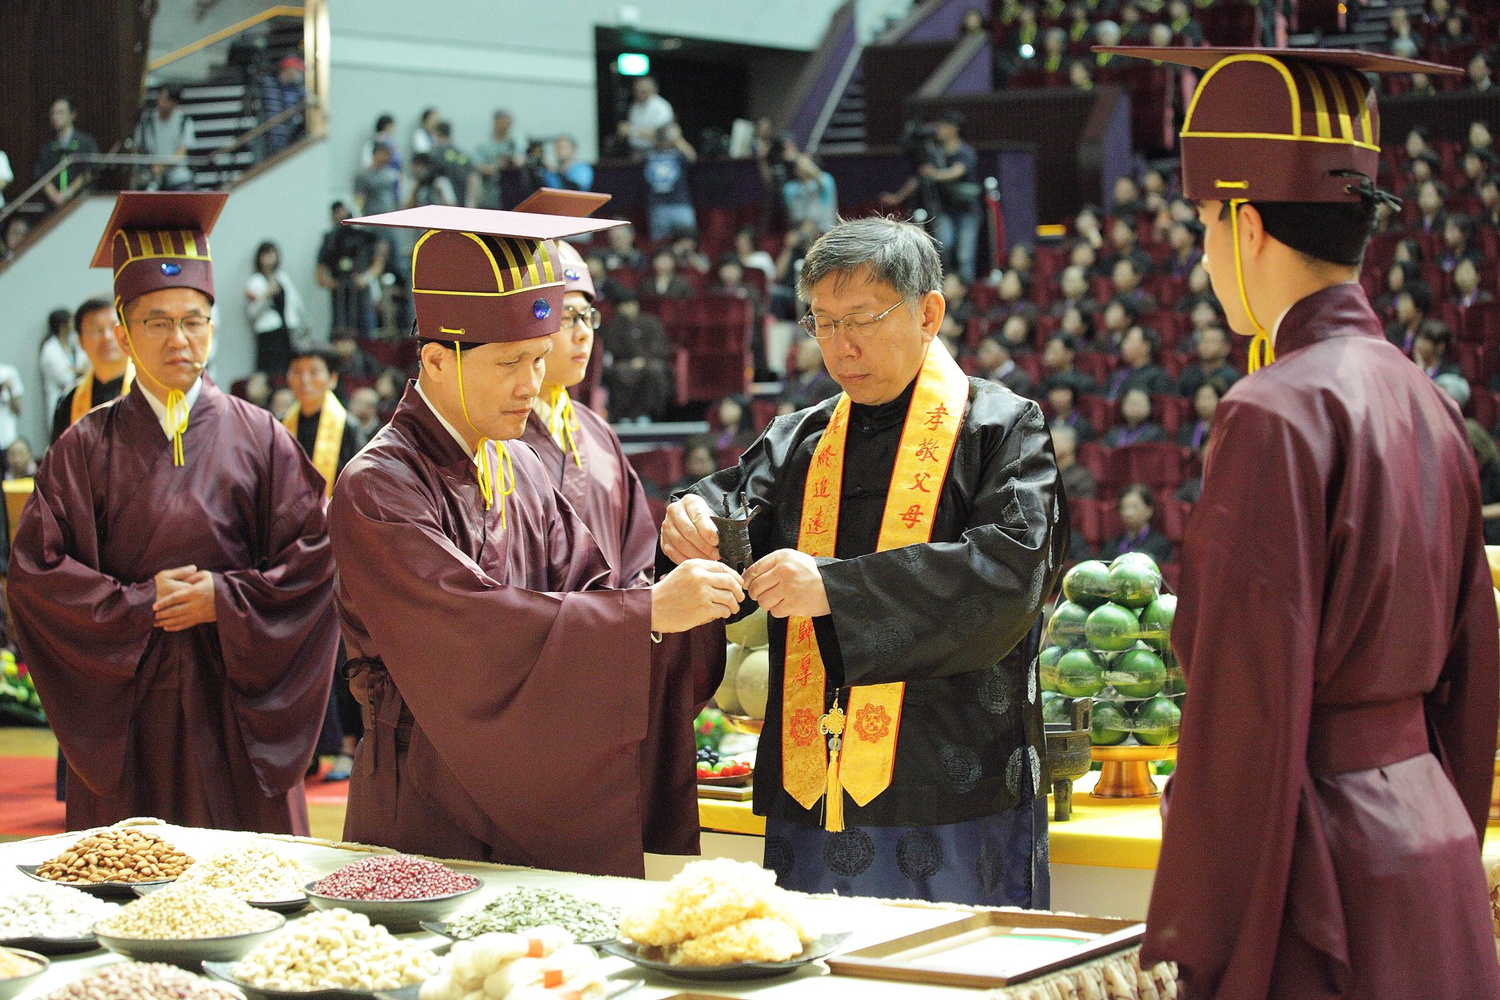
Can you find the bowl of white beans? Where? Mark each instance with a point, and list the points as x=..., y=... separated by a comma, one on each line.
x=328, y=955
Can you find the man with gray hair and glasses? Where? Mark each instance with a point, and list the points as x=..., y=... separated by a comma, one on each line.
x=904, y=537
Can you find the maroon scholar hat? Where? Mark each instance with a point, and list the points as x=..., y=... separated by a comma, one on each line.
x=157, y=240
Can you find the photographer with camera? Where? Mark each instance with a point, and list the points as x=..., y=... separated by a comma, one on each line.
x=947, y=182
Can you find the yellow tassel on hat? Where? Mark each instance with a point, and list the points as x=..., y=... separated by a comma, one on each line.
x=1261, y=351
x=563, y=424
x=177, y=408
x=494, y=483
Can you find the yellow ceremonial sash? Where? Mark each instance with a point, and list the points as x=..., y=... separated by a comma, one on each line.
x=562, y=424
x=83, y=393
x=863, y=765
x=330, y=440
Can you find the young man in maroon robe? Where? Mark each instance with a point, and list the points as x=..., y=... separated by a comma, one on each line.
x=1336, y=623
x=589, y=468
x=172, y=579
x=506, y=688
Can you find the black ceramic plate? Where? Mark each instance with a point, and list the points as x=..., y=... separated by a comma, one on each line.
x=821, y=948
x=440, y=927
x=104, y=890
x=221, y=970
x=293, y=905
x=52, y=946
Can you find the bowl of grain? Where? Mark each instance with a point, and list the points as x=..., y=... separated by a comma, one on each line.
x=183, y=925
x=18, y=970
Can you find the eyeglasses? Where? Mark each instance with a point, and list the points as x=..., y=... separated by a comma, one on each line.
x=164, y=326
x=591, y=316
x=855, y=324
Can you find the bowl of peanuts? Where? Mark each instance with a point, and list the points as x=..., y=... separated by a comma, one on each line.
x=18, y=970
x=109, y=863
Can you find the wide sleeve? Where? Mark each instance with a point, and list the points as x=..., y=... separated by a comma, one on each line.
x=638, y=531
x=277, y=627
x=554, y=684
x=1246, y=635
x=81, y=632
x=892, y=610
x=1463, y=708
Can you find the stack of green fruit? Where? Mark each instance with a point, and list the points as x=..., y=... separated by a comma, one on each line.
x=19, y=702
x=1110, y=640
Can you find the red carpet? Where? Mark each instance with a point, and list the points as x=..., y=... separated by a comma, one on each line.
x=29, y=806
x=28, y=797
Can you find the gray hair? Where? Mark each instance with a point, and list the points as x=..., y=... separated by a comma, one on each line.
x=898, y=254
x=1456, y=386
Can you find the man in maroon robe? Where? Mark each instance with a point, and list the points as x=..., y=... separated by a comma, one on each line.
x=507, y=691
x=589, y=468
x=1336, y=624
x=172, y=580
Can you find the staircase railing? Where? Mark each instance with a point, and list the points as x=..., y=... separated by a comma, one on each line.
x=238, y=134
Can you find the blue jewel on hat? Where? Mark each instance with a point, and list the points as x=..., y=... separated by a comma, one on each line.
x=541, y=309
x=571, y=274
x=171, y=270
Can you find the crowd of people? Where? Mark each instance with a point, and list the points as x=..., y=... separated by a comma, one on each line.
x=1115, y=329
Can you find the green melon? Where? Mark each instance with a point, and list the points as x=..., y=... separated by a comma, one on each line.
x=1080, y=673
x=1137, y=673
x=1175, y=683
x=1157, y=722
x=1066, y=626
x=726, y=697
x=1156, y=622
x=1133, y=557
x=1109, y=723
x=1057, y=709
x=1134, y=583
x=1046, y=664
x=1087, y=584
x=1111, y=628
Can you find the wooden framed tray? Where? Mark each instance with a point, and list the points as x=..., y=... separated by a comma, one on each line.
x=991, y=950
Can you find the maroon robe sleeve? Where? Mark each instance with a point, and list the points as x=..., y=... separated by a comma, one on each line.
x=1246, y=635
x=638, y=528
x=278, y=630
x=527, y=696
x=82, y=632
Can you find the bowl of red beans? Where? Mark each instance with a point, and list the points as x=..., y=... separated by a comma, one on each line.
x=397, y=890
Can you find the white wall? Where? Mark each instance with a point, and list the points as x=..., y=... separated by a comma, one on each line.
x=287, y=204
x=469, y=57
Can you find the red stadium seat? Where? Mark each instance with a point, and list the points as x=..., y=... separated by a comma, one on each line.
x=1095, y=458
x=1099, y=411
x=1482, y=407
x=662, y=466
x=1031, y=364
x=1087, y=517
x=1172, y=518
x=1095, y=365
x=1158, y=465
x=1171, y=412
